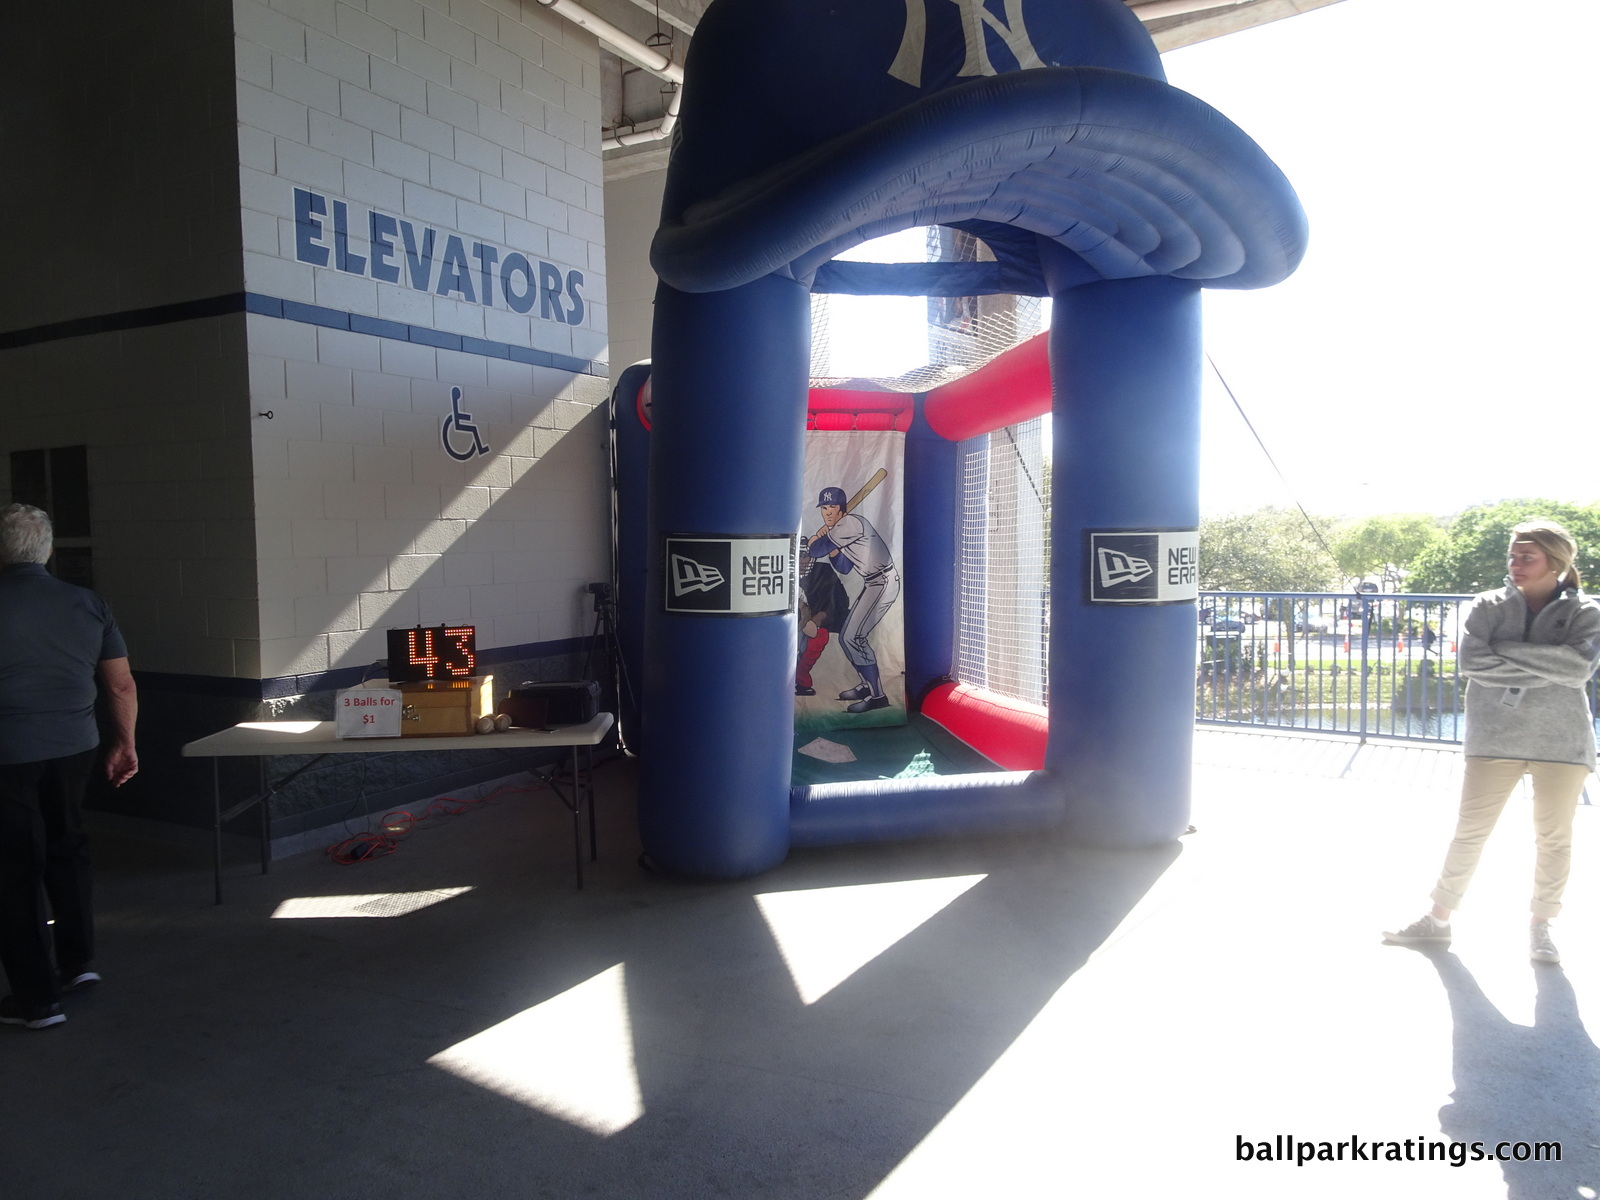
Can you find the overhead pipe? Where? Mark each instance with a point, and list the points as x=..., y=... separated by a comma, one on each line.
x=650, y=133
x=1157, y=9
x=625, y=44
x=635, y=51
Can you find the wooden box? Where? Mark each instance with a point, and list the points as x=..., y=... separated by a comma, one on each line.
x=445, y=707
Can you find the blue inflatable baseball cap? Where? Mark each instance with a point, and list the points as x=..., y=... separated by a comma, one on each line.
x=1047, y=130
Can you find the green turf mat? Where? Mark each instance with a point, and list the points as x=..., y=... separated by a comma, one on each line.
x=897, y=752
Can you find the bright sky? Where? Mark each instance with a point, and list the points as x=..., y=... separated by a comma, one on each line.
x=879, y=337
x=1435, y=348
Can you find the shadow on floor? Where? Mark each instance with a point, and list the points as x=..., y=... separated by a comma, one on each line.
x=642, y=1038
x=1520, y=1084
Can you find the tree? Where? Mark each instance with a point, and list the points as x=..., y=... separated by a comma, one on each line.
x=1471, y=557
x=1268, y=550
x=1385, y=545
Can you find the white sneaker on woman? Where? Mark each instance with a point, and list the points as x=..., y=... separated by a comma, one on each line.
x=1540, y=947
x=1424, y=931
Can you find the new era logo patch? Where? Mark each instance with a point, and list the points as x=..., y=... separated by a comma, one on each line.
x=728, y=576
x=691, y=575
x=1141, y=566
x=1116, y=567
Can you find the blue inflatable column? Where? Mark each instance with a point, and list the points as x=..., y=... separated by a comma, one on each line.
x=932, y=545
x=729, y=380
x=1125, y=364
x=630, y=473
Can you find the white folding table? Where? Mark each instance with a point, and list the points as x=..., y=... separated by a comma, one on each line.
x=266, y=739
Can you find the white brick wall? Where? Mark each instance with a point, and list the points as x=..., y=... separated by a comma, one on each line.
x=231, y=544
x=170, y=464
x=115, y=204
x=632, y=213
x=478, y=120
x=355, y=495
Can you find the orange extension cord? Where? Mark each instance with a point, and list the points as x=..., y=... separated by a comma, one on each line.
x=395, y=826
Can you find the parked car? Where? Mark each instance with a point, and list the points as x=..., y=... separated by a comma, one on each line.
x=1313, y=624
x=1229, y=622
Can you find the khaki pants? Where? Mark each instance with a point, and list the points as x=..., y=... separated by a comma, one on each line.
x=1484, y=790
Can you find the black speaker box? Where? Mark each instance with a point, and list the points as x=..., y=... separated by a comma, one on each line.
x=537, y=705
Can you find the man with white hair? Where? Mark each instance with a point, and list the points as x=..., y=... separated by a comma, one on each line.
x=57, y=641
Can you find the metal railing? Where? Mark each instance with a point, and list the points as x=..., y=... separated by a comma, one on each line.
x=1366, y=664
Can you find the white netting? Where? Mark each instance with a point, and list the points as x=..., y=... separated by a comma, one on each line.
x=912, y=343
x=1004, y=600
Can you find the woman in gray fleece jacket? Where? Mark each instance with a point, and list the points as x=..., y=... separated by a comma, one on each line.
x=1528, y=652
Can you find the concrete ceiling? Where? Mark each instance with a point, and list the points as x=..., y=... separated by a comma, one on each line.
x=631, y=97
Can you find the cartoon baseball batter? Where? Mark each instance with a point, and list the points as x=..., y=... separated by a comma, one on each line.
x=823, y=608
x=850, y=542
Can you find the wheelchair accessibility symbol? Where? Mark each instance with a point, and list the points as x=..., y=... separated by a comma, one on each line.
x=459, y=422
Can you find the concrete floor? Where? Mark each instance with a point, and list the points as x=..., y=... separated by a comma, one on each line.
x=1004, y=1017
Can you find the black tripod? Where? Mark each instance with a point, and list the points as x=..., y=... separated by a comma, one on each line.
x=603, y=640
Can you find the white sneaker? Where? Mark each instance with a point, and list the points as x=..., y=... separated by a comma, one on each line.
x=1540, y=947
x=12, y=1013
x=1424, y=931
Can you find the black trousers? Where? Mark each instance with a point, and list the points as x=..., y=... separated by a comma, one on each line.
x=44, y=855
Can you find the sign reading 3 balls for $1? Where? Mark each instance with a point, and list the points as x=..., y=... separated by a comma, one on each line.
x=728, y=576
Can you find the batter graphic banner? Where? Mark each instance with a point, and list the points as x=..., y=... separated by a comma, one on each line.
x=850, y=669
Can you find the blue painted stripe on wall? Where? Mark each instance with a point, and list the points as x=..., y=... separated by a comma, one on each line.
x=282, y=686
x=578, y=366
x=378, y=327
x=434, y=337
x=266, y=306
x=139, y=318
x=488, y=349
x=295, y=310
x=315, y=314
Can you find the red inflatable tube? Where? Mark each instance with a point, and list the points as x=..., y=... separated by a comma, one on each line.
x=831, y=408
x=850, y=400
x=1009, y=732
x=844, y=408
x=859, y=420
x=1014, y=387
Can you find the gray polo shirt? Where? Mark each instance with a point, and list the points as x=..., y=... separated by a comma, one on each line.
x=52, y=637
